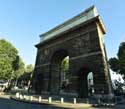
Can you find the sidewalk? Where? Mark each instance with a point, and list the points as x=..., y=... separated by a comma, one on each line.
x=54, y=103
x=57, y=102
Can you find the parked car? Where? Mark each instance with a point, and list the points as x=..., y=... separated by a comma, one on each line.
x=3, y=85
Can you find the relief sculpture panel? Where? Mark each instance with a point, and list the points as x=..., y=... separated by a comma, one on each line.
x=44, y=56
x=82, y=44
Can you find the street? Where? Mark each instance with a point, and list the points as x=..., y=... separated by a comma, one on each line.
x=7, y=103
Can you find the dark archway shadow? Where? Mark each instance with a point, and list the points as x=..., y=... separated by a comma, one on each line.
x=39, y=83
x=55, y=70
x=83, y=90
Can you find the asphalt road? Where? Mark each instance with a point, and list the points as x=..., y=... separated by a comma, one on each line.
x=6, y=103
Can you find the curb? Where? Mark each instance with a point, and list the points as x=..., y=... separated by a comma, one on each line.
x=65, y=105
x=28, y=101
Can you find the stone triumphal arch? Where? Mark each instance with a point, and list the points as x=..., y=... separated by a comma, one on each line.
x=81, y=40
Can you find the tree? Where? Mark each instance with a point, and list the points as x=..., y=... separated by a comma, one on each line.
x=8, y=54
x=15, y=63
x=11, y=65
x=65, y=64
x=117, y=64
x=19, y=68
x=29, y=68
x=26, y=76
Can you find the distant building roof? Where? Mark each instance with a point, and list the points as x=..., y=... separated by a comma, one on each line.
x=83, y=17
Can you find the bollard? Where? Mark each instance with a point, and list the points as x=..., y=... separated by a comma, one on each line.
x=87, y=101
x=99, y=102
x=40, y=98
x=50, y=100
x=24, y=96
x=62, y=100
x=31, y=98
x=74, y=100
x=21, y=96
x=17, y=95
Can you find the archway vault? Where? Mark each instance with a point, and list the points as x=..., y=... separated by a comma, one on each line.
x=80, y=38
x=55, y=70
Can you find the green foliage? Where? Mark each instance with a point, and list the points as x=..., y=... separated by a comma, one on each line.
x=26, y=76
x=65, y=64
x=114, y=64
x=16, y=63
x=11, y=65
x=29, y=68
x=121, y=52
x=20, y=70
x=8, y=54
x=118, y=64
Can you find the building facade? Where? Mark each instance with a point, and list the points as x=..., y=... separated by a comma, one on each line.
x=81, y=39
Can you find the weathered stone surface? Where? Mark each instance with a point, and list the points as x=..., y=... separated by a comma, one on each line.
x=85, y=48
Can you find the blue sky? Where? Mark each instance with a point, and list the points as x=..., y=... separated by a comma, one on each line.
x=22, y=21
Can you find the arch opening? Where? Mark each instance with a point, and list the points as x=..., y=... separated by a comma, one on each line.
x=86, y=83
x=59, y=71
x=90, y=83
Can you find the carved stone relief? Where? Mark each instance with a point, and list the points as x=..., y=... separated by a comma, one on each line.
x=82, y=44
x=44, y=54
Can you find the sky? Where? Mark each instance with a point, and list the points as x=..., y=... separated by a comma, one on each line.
x=22, y=21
